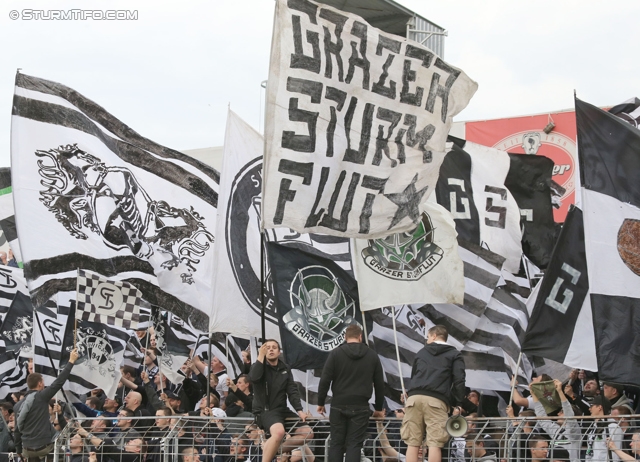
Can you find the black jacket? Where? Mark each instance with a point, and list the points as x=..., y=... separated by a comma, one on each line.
x=438, y=371
x=271, y=387
x=352, y=370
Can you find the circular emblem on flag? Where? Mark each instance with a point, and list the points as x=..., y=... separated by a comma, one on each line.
x=107, y=298
x=96, y=351
x=404, y=256
x=629, y=244
x=242, y=236
x=320, y=310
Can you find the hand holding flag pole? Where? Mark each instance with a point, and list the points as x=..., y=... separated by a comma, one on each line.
x=513, y=380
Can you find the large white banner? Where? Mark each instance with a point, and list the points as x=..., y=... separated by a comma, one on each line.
x=356, y=124
x=90, y=193
x=421, y=266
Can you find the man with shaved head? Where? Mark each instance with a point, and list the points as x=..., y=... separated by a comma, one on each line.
x=133, y=402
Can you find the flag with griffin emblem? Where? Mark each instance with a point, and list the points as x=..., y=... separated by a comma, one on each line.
x=316, y=301
x=101, y=300
x=418, y=266
x=110, y=200
x=17, y=328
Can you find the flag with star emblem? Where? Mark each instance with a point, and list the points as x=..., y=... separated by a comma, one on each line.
x=355, y=132
x=419, y=266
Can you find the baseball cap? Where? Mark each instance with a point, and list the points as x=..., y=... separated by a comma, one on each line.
x=172, y=395
x=218, y=413
x=602, y=401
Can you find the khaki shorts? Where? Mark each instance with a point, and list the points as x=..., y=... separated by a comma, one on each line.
x=425, y=413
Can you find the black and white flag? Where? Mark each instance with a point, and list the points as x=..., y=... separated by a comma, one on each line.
x=13, y=373
x=561, y=324
x=101, y=300
x=8, y=216
x=100, y=355
x=16, y=331
x=357, y=121
x=628, y=111
x=316, y=301
x=609, y=153
x=418, y=266
x=472, y=187
x=50, y=330
x=411, y=338
x=227, y=348
x=529, y=180
x=173, y=352
x=237, y=280
x=110, y=200
x=12, y=281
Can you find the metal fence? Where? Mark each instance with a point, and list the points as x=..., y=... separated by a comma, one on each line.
x=204, y=439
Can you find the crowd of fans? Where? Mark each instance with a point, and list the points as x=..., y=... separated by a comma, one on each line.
x=150, y=418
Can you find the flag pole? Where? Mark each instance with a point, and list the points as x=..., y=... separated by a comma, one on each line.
x=364, y=328
x=262, y=287
x=395, y=339
x=75, y=324
x=209, y=373
x=306, y=389
x=515, y=376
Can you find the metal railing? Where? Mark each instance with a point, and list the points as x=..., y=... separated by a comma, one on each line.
x=202, y=439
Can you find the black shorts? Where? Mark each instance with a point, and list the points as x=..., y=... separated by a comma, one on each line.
x=286, y=417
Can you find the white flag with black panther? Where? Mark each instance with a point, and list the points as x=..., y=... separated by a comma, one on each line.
x=418, y=266
x=109, y=201
x=237, y=257
x=355, y=128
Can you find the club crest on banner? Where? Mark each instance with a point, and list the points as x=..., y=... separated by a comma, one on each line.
x=404, y=256
x=21, y=334
x=96, y=351
x=86, y=195
x=6, y=279
x=628, y=244
x=320, y=311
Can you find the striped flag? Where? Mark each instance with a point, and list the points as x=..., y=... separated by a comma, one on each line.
x=50, y=329
x=7, y=213
x=13, y=374
x=12, y=281
x=226, y=348
x=110, y=200
x=17, y=327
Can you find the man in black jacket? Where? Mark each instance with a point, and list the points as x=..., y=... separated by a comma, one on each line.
x=352, y=370
x=437, y=381
x=272, y=382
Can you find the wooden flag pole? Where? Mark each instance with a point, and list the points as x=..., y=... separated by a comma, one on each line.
x=513, y=380
x=395, y=340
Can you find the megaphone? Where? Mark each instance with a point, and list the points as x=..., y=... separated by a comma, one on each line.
x=457, y=426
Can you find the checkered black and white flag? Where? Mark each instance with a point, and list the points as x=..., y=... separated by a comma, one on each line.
x=115, y=303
